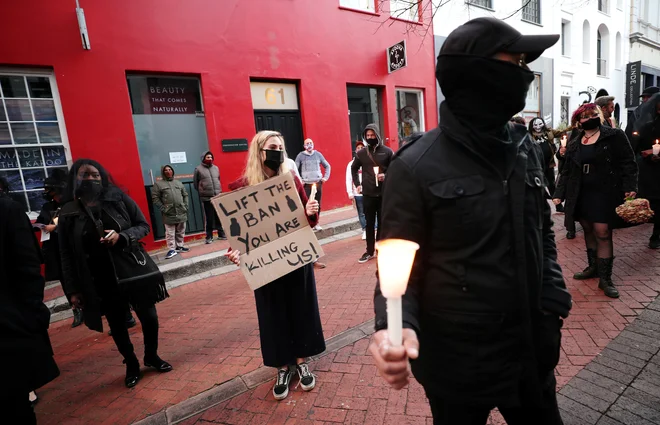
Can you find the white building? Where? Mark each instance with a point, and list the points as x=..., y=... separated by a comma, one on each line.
x=589, y=56
x=643, y=69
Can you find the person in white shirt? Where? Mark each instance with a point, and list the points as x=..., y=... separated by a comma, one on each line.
x=353, y=193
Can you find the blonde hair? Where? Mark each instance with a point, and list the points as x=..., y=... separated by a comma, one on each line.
x=254, y=168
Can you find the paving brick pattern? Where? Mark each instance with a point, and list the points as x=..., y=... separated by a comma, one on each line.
x=210, y=334
x=621, y=385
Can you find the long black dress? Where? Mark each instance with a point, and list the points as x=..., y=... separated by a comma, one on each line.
x=50, y=248
x=288, y=310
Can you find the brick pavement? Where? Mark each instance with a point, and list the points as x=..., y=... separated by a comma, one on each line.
x=210, y=335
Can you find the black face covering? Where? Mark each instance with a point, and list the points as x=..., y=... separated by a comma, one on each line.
x=89, y=190
x=591, y=123
x=372, y=142
x=274, y=159
x=483, y=92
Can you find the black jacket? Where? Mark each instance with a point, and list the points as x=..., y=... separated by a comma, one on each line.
x=77, y=278
x=486, y=267
x=615, y=164
x=379, y=156
x=50, y=248
x=25, y=349
x=649, y=170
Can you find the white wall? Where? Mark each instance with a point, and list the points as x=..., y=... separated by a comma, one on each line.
x=571, y=73
x=645, y=27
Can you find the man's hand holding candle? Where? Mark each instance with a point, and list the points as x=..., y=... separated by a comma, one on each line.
x=393, y=362
x=312, y=207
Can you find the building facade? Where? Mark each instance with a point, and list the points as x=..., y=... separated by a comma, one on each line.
x=643, y=69
x=153, y=82
x=587, y=58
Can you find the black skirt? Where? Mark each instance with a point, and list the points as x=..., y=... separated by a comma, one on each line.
x=289, y=320
x=594, y=204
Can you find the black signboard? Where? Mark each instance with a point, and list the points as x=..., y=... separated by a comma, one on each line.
x=234, y=145
x=633, y=83
x=397, y=57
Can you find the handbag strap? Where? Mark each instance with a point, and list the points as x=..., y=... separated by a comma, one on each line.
x=373, y=159
x=97, y=223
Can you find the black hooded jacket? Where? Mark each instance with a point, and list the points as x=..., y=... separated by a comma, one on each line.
x=378, y=156
x=486, y=271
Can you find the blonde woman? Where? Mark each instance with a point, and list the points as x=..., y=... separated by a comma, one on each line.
x=287, y=308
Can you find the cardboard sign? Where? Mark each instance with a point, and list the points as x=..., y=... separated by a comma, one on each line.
x=268, y=225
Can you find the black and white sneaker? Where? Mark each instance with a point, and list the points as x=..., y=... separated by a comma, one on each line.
x=182, y=249
x=365, y=257
x=307, y=378
x=281, y=387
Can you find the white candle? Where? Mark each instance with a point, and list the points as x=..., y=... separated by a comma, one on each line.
x=312, y=194
x=376, y=172
x=563, y=141
x=656, y=148
x=395, y=261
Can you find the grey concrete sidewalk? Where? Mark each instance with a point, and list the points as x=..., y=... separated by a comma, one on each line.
x=621, y=385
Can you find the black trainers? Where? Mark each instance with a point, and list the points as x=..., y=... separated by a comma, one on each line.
x=365, y=257
x=307, y=378
x=570, y=235
x=182, y=249
x=209, y=240
x=281, y=387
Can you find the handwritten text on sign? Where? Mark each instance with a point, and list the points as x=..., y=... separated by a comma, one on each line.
x=267, y=223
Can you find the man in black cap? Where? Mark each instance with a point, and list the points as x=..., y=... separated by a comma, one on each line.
x=633, y=136
x=486, y=294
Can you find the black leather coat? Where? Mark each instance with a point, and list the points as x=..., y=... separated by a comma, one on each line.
x=76, y=274
x=615, y=164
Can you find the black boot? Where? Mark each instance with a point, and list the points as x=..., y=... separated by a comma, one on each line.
x=77, y=318
x=605, y=275
x=152, y=360
x=592, y=269
x=654, y=242
x=132, y=371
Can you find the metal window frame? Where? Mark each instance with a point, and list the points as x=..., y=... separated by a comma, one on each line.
x=536, y=4
x=421, y=106
x=24, y=73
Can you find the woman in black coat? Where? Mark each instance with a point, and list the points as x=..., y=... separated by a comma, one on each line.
x=25, y=350
x=598, y=174
x=649, y=169
x=97, y=226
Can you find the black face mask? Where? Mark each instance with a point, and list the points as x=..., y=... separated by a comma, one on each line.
x=591, y=124
x=484, y=93
x=372, y=142
x=274, y=159
x=89, y=190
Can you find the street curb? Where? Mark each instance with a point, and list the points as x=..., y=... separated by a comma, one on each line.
x=212, y=264
x=236, y=386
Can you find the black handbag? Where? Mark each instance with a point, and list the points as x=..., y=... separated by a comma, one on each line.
x=138, y=275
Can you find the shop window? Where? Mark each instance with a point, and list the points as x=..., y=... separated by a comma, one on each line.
x=410, y=112
x=366, y=5
x=364, y=107
x=32, y=137
x=405, y=9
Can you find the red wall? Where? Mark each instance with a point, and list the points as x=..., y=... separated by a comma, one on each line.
x=225, y=42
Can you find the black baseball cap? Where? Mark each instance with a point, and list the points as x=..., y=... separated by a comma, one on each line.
x=650, y=91
x=487, y=36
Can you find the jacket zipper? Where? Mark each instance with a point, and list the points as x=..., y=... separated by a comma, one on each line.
x=115, y=220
